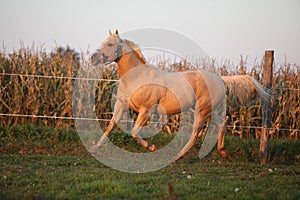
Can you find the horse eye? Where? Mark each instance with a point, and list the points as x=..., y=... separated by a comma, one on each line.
x=110, y=44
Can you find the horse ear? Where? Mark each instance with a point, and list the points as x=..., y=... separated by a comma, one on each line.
x=110, y=33
x=117, y=32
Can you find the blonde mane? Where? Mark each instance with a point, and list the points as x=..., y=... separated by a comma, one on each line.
x=136, y=49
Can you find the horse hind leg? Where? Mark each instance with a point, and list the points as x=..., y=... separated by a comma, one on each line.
x=199, y=118
x=221, y=149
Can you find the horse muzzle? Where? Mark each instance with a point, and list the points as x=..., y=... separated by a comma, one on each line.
x=97, y=58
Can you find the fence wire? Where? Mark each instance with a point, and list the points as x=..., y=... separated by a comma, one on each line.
x=59, y=77
x=88, y=79
x=107, y=120
x=124, y=121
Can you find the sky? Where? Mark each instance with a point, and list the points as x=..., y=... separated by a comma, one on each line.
x=226, y=29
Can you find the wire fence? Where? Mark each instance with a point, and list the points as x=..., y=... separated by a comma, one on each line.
x=88, y=79
x=131, y=121
x=59, y=77
x=107, y=120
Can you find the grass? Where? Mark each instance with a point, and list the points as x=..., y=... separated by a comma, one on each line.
x=28, y=139
x=47, y=163
x=47, y=177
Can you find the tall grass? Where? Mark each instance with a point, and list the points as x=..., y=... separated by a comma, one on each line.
x=49, y=96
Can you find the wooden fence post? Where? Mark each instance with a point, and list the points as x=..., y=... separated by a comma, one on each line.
x=266, y=106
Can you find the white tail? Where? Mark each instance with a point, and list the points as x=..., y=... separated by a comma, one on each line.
x=244, y=88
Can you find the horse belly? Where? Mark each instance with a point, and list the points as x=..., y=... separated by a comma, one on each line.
x=172, y=104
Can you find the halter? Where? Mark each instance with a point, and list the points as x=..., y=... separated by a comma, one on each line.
x=118, y=53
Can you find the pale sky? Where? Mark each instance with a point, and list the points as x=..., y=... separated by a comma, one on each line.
x=226, y=29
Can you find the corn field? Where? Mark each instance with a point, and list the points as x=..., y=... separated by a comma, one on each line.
x=35, y=83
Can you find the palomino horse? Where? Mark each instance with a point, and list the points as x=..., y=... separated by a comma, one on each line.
x=143, y=89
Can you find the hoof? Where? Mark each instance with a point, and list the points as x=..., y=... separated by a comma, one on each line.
x=224, y=153
x=152, y=148
x=93, y=150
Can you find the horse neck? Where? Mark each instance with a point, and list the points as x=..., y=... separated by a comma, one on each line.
x=128, y=61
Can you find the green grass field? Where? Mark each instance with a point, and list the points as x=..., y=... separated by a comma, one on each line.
x=49, y=177
x=43, y=163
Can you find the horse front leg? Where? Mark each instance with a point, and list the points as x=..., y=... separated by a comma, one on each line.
x=142, y=119
x=118, y=112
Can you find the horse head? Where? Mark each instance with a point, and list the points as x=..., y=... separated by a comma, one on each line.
x=109, y=51
x=113, y=48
